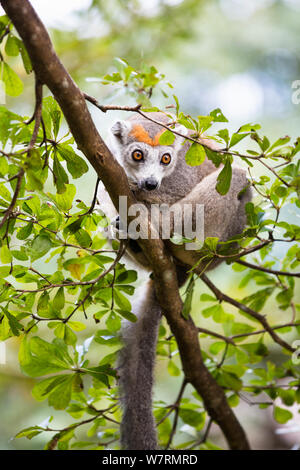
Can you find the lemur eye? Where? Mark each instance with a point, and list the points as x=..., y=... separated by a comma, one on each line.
x=137, y=155
x=166, y=159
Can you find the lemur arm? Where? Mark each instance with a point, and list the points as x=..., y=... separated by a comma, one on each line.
x=224, y=216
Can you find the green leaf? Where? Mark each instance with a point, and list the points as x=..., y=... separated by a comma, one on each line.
x=113, y=322
x=211, y=243
x=43, y=388
x=13, y=84
x=19, y=254
x=224, y=178
x=83, y=238
x=207, y=298
x=233, y=400
x=25, y=58
x=122, y=301
x=282, y=415
x=279, y=142
x=287, y=396
x=229, y=380
x=5, y=254
x=59, y=299
x=127, y=314
x=285, y=297
x=173, y=369
x=249, y=128
x=224, y=134
x=61, y=395
x=52, y=115
x=3, y=161
x=12, y=46
x=216, y=347
x=64, y=201
x=236, y=138
x=59, y=175
x=25, y=231
x=4, y=192
x=60, y=330
x=76, y=325
x=38, y=358
x=4, y=21
x=167, y=138
x=15, y=326
x=215, y=157
x=192, y=417
x=30, y=432
x=213, y=310
x=40, y=246
x=126, y=277
x=70, y=338
x=36, y=179
x=43, y=304
x=204, y=123
x=241, y=328
x=195, y=155
x=257, y=300
x=218, y=115
x=75, y=164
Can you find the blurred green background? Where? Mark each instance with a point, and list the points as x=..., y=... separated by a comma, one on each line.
x=240, y=56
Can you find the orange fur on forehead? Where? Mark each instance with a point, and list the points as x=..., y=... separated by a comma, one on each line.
x=140, y=134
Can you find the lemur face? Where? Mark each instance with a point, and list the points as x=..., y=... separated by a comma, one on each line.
x=137, y=149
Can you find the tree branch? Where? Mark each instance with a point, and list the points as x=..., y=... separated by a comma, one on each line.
x=266, y=270
x=10, y=208
x=37, y=115
x=261, y=318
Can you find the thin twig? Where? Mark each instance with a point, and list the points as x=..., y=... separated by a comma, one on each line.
x=10, y=208
x=102, y=108
x=91, y=209
x=176, y=407
x=205, y=436
x=266, y=270
x=37, y=115
x=121, y=252
x=223, y=297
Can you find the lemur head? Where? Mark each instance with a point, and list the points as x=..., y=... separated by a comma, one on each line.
x=137, y=148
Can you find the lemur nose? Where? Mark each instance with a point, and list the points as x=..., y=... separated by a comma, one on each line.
x=150, y=184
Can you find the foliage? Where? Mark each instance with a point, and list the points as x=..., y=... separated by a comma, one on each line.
x=43, y=221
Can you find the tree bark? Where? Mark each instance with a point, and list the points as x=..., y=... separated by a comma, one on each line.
x=50, y=71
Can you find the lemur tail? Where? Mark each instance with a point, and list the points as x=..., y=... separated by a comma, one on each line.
x=136, y=365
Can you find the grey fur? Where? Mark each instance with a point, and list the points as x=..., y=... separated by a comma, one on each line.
x=136, y=364
x=224, y=217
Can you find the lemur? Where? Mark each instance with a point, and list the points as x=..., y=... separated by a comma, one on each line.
x=159, y=173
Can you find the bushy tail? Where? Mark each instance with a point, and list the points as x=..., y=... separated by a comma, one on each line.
x=136, y=365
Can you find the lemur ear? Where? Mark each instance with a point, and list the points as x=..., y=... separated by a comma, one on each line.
x=120, y=130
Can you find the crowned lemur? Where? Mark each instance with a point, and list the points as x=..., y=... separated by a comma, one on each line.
x=159, y=173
